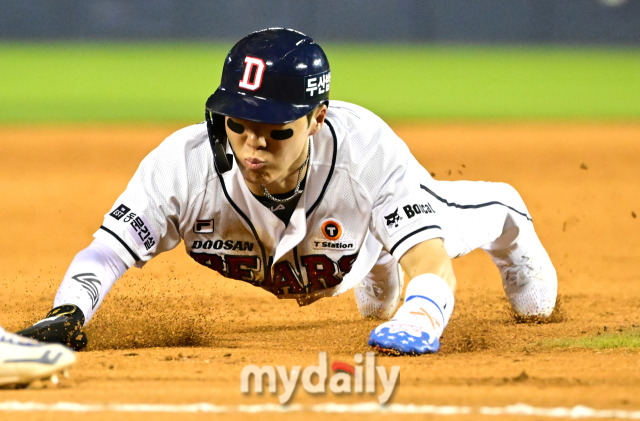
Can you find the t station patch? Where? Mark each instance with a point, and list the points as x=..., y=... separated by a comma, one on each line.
x=332, y=232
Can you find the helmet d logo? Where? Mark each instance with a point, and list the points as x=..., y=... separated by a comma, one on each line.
x=253, y=72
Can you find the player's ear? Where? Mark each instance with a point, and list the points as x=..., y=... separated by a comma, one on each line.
x=317, y=119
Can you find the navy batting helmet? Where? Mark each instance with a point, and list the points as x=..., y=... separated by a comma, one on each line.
x=275, y=76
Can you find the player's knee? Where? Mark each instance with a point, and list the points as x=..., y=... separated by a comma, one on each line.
x=377, y=301
x=371, y=307
x=377, y=297
x=510, y=195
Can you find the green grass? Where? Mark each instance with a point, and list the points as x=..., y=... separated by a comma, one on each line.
x=503, y=83
x=106, y=82
x=628, y=339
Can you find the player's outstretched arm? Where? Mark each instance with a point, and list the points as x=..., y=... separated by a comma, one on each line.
x=89, y=278
x=418, y=324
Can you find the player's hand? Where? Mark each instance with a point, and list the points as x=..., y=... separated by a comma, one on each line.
x=61, y=325
x=414, y=330
x=399, y=338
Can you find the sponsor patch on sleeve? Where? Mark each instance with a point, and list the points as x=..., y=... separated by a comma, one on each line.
x=119, y=212
x=398, y=214
x=140, y=230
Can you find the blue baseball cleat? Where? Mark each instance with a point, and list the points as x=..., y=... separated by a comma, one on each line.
x=398, y=338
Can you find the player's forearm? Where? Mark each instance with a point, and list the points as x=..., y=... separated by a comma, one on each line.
x=429, y=257
x=432, y=279
x=89, y=278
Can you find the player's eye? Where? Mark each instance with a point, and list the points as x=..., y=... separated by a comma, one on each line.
x=235, y=127
x=281, y=134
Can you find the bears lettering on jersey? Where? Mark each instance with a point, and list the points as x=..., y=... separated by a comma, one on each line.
x=321, y=271
x=286, y=279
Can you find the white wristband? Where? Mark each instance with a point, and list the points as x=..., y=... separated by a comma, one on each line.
x=435, y=289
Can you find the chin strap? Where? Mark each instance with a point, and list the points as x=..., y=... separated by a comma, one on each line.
x=217, y=140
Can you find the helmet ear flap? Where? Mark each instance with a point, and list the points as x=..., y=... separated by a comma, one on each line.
x=218, y=141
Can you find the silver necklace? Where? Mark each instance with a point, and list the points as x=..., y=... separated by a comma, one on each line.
x=297, y=191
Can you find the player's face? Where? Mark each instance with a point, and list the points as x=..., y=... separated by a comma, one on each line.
x=271, y=154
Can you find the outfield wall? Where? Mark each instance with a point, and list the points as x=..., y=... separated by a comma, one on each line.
x=437, y=21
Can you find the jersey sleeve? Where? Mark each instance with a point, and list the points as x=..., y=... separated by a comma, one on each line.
x=402, y=214
x=145, y=220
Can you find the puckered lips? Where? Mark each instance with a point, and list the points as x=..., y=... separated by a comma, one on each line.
x=254, y=163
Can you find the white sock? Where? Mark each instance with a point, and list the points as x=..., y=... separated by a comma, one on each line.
x=428, y=303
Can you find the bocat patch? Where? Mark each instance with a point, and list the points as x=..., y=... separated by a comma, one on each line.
x=397, y=214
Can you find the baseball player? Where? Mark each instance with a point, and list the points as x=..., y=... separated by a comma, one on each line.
x=24, y=360
x=306, y=199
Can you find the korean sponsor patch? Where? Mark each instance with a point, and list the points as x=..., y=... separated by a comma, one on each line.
x=119, y=212
x=140, y=231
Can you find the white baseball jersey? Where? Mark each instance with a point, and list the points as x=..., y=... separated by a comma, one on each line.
x=364, y=191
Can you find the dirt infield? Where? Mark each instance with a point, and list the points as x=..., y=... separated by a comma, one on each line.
x=174, y=333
